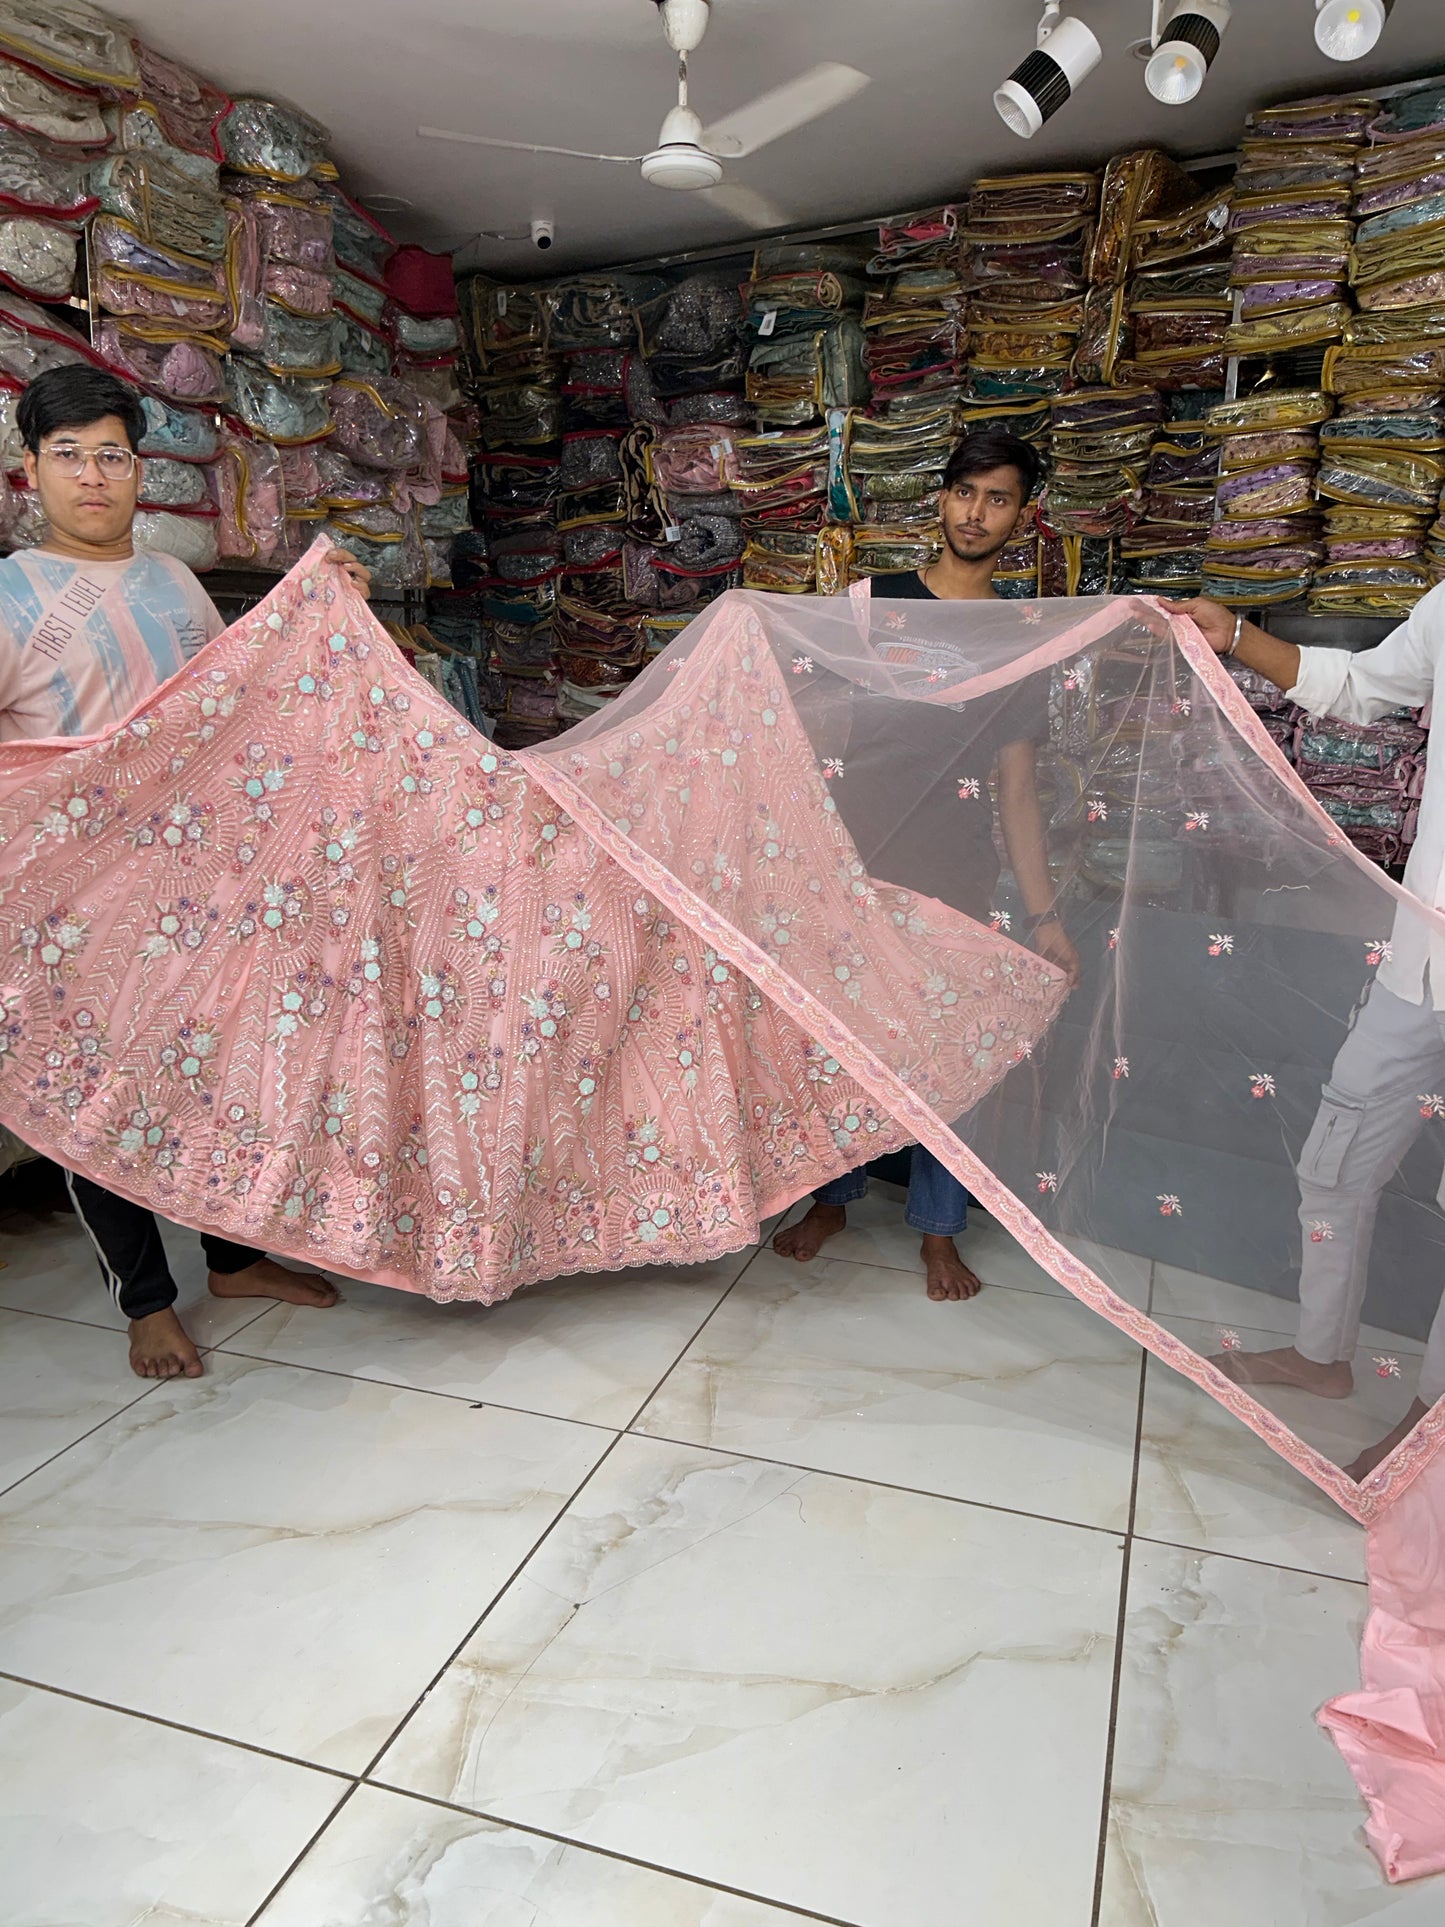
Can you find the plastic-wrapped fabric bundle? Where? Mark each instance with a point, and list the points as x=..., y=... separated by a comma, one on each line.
x=32, y=340
x=189, y=110
x=36, y=181
x=173, y=209
x=1336, y=119
x=379, y=424
x=1138, y=186
x=916, y=333
x=781, y=564
x=1193, y=230
x=786, y=470
x=597, y=311
x=446, y=517
x=251, y=498
x=264, y=137
x=300, y=476
x=296, y=346
x=693, y=461
x=795, y=378
x=396, y=562
x=361, y=350
x=430, y=335
x=192, y=539
x=1410, y=116
x=1283, y=329
x=525, y=417
x=342, y=485
x=166, y=483
x=177, y=434
x=1379, y=478
x=647, y=585
x=361, y=298
x=1101, y=441
x=72, y=40
x=590, y=457
x=592, y=545
x=62, y=116
x=275, y=410
x=926, y=238
x=37, y=257
x=1354, y=371
x=136, y=278
x=181, y=370
x=1266, y=447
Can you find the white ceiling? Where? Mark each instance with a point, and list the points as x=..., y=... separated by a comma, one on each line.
x=597, y=73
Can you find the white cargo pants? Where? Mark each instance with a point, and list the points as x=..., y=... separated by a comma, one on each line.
x=1370, y=1113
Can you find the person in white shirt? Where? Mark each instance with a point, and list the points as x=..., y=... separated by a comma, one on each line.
x=1369, y=1110
x=89, y=626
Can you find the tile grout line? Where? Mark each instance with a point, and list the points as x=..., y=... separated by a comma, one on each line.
x=178, y=1726
x=608, y=1853
x=340, y=1806
x=1121, y=1624
x=498, y=1594
x=71, y=1444
x=683, y=1352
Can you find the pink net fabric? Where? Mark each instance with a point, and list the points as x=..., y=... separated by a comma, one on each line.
x=295, y=955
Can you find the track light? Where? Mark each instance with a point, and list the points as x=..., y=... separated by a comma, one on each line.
x=1185, y=50
x=1348, y=29
x=1038, y=87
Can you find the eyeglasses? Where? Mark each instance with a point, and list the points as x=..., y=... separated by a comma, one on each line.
x=114, y=463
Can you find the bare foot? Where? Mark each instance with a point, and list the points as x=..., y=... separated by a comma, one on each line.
x=267, y=1279
x=806, y=1238
x=1375, y=1455
x=159, y=1348
x=1287, y=1367
x=948, y=1276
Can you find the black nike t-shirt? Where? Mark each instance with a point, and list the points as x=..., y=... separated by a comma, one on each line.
x=905, y=777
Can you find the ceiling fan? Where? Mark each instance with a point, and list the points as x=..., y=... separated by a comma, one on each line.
x=689, y=155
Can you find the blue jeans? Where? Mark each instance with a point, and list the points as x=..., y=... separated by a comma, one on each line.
x=937, y=1202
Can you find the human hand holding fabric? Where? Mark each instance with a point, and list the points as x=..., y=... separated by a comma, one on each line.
x=1051, y=941
x=358, y=571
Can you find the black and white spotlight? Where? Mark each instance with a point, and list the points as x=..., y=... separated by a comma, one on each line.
x=1185, y=49
x=1348, y=29
x=1038, y=87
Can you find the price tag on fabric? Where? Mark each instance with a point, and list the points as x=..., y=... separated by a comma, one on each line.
x=768, y=322
x=501, y=301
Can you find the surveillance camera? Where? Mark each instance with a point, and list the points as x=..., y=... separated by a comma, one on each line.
x=544, y=233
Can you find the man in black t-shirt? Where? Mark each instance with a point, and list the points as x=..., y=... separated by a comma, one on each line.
x=985, y=496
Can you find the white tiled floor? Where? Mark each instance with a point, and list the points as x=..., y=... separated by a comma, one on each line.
x=722, y=1598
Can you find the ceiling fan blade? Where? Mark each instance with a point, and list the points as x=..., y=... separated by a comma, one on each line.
x=782, y=110
x=522, y=147
x=747, y=207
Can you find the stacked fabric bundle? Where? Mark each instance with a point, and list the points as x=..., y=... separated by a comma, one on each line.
x=1367, y=778
x=780, y=480
x=1101, y=440
x=1164, y=550
x=1027, y=238
x=517, y=470
x=1178, y=301
x=165, y=263
x=1383, y=468
x=1265, y=543
x=605, y=490
x=916, y=324
x=684, y=532
x=1382, y=472
x=896, y=461
x=1291, y=224
x=807, y=347
x=424, y=330
x=1137, y=188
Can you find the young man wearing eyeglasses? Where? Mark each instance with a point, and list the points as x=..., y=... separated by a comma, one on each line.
x=89, y=626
